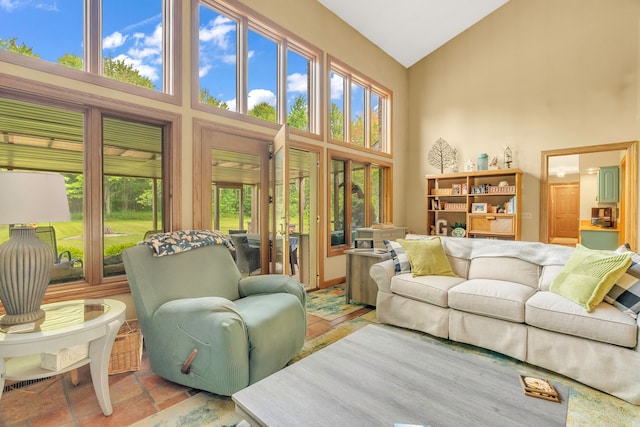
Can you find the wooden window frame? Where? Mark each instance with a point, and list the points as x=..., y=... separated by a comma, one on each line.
x=387, y=197
x=350, y=76
x=248, y=19
x=95, y=107
x=92, y=61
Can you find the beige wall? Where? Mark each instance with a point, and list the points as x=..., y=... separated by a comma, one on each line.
x=535, y=75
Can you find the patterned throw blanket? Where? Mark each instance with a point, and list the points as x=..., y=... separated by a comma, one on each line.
x=174, y=242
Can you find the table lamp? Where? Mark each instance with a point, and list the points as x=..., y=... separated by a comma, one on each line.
x=26, y=261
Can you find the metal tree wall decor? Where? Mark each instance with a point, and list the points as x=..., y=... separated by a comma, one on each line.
x=441, y=155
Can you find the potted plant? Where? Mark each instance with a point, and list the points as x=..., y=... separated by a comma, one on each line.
x=459, y=229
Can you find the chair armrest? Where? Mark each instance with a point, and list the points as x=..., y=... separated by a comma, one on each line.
x=194, y=314
x=272, y=283
x=381, y=273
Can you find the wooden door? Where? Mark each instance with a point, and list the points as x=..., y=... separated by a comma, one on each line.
x=565, y=210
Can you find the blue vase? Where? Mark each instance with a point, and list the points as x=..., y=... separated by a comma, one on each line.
x=483, y=162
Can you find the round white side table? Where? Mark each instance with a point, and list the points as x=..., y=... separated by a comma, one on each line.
x=65, y=324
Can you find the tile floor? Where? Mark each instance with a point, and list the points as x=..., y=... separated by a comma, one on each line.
x=134, y=396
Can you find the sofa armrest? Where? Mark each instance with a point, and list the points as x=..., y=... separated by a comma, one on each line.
x=381, y=273
x=270, y=284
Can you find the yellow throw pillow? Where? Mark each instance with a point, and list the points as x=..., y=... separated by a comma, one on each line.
x=427, y=257
x=589, y=275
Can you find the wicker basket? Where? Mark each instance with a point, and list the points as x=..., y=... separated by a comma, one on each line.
x=441, y=191
x=126, y=353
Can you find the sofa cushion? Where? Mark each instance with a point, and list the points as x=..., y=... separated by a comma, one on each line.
x=606, y=323
x=589, y=275
x=427, y=257
x=431, y=289
x=400, y=258
x=505, y=268
x=549, y=273
x=489, y=297
x=625, y=293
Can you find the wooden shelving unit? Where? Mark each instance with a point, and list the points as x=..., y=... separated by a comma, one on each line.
x=488, y=202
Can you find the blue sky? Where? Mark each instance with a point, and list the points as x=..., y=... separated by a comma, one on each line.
x=132, y=32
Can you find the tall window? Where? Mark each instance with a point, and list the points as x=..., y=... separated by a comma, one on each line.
x=43, y=138
x=132, y=186
x=252, y=68
x=359, y=110
x=131, y=43
x=358, y=197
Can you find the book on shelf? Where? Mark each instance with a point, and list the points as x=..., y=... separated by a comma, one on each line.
x=538, y=387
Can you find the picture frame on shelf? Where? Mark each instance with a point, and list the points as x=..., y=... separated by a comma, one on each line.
x=479, y=208
x=457, y=189
x=463, y=189
x=435, y=204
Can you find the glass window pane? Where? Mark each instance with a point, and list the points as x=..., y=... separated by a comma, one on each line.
x=297, y=91
x=217, y=59
x=132, y=186
x=49, y=139
x=27, y=28
x=336, y=112
x=357, y=195
x=377, y=192
x=357, y=115
x=132, y=42
x=262, y=72
x=375, y=125
x=337, y=203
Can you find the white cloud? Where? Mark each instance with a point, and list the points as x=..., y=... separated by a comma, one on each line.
x=218, y=32
x=144, y=69
x=143, y=22
x=229, y=59
x=114, y=40
x=256, y=96
x=8, y=5
x=203, y=71
x=231, y=104
x=155, y=39
x=297, y=82
x=337, y=87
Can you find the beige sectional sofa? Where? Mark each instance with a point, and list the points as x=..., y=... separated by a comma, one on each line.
x=500, y=300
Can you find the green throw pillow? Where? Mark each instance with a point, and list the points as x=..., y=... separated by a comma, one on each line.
x=588, y=275
x=427, y=257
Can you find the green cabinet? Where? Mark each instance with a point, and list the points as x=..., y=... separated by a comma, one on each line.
x=596, y=239
x=609, y=184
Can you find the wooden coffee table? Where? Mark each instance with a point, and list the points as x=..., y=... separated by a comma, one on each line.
x=378, y=377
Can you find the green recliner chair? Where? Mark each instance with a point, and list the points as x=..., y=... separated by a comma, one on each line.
x=242, y=329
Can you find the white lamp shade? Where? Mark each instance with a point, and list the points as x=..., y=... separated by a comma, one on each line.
x=32, y=197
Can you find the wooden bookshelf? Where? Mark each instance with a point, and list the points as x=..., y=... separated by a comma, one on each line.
x=488, y=202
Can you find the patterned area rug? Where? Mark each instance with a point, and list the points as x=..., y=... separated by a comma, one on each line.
x=330, y=304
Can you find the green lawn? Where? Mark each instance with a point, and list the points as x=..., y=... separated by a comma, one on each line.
x=70, y=235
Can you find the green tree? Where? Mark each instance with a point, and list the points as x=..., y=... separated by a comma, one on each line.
x=12, y=46
x=117, y=69
x=357, y=131
x=71, y=61
x=264, y=111
x=208, y=99
x=337, y=122
x=299, y=114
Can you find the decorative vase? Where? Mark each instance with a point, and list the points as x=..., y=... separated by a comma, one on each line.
x=25, y=271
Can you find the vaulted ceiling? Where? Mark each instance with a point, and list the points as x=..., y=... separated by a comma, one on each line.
x=409, y=30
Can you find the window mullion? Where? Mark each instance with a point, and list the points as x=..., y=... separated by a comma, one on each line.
x=281, y=97
x=93, y=196
x=347, y=108
x=92, y=36
x=168, y=54
x=367, y=117
x=242, y=66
